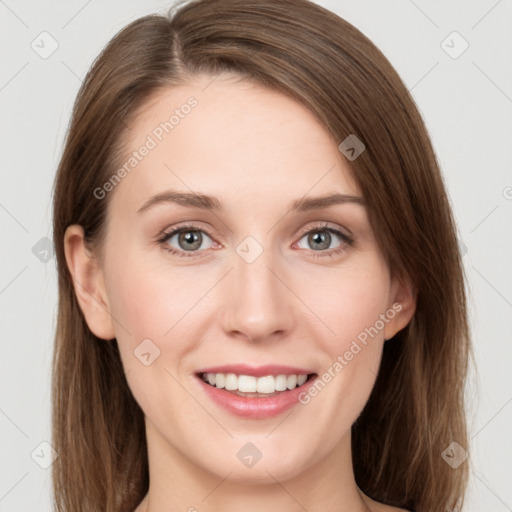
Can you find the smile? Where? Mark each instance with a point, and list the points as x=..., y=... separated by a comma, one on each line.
x=255, y=392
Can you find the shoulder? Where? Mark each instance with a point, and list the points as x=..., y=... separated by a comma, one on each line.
x=376, y=506
x=380, y=507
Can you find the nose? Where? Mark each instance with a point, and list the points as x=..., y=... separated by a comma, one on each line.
x=257, y=304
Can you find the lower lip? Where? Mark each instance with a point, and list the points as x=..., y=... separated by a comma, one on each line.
x=253, y=407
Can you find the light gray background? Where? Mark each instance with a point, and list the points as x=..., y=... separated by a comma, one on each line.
x=466, y=103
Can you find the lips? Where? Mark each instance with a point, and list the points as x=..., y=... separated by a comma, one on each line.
x=255, y=392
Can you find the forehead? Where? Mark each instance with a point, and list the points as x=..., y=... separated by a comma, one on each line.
x=231, y=138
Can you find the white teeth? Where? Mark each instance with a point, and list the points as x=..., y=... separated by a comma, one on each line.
x=266, y=384
x=219, y=380
x=281, y=382
x=231, y=382
x=249, y=384
x=291, y=382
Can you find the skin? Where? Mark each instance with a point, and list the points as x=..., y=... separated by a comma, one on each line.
x=256, y=151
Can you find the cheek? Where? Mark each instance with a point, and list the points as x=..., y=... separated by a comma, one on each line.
x=157, y=310
x=141, y=304
x=353, y=304
x=151, y=300
x=349, y=300
x=154, y=333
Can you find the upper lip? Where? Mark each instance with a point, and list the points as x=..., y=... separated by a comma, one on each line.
x=256, y=371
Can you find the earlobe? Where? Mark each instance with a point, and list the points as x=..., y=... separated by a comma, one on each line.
x=88, y=283
x=401, y=308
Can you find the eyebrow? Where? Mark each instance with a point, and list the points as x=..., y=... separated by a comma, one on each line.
x=206, y=202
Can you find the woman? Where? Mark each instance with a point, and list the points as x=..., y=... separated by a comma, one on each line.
x=261, y=299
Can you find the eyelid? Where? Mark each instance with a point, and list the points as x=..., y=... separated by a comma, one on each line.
x=347, y=234
x=190, y=226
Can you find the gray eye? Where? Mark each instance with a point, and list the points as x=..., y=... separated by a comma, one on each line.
x=318, y=240
x=190, y=240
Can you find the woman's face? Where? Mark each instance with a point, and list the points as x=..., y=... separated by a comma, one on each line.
x=264, y=280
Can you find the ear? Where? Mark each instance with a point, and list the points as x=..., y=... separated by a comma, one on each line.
x=401, y=308
x=88, y=283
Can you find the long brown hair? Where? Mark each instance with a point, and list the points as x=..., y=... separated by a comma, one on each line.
x=416, y=408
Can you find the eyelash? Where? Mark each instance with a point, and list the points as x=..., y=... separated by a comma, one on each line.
x=164, y=237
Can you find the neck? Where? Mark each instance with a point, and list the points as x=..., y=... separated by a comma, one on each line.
x=177, y=483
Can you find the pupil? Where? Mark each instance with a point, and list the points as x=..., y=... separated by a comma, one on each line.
x=321, y=238
x=192, y=239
